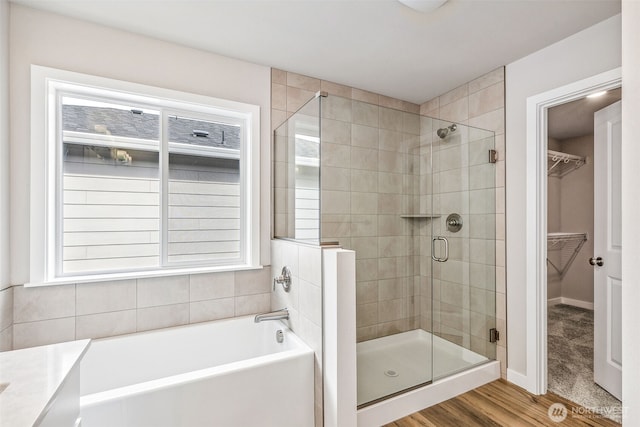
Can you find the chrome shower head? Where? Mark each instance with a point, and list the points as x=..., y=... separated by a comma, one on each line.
x=443, y=132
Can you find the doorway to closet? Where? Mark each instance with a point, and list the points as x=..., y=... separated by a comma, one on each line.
x=572, y=223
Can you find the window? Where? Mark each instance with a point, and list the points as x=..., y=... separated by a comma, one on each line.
x=130, y=180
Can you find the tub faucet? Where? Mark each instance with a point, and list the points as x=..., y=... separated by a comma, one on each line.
x=274, y=315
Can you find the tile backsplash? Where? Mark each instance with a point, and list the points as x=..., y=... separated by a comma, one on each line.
x=46, y=315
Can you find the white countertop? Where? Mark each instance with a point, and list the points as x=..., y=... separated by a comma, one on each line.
x=34, y=376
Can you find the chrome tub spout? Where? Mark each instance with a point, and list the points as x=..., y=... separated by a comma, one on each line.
x=273, y=315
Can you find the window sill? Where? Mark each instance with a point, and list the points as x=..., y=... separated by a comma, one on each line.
x=141, y=275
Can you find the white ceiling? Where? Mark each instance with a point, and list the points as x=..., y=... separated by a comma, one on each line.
x=575, y=118
x=377, y=45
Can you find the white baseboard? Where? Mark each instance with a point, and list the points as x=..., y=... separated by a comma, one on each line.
x=570, y=301
x=517, y=378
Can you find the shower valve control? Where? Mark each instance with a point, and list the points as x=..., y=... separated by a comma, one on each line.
x=596, y=261
x=284, y=279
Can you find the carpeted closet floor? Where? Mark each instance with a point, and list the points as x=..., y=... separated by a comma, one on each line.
x=570, y=358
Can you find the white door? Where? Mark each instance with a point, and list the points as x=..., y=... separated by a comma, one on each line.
x=607, y=360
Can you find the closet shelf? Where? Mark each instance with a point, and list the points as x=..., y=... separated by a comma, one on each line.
x=559, y=164
x=569, y=244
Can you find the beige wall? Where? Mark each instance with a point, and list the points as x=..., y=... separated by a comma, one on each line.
x=59, y=313
x=576, y=215
x=480, y=103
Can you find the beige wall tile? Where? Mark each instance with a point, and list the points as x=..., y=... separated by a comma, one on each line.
x=493, y=120
x=390, y=161
x=363, y=95
x=390, y=310
x=103, y=297
x=391, y=140
x=204, y=311
x=364, y=136
x=277, y=118
x=303, y=82
x=410, y=107
x=44, y=302
x=44, y=332
x=431, y=105
x=106, y=324
x=366, y=314
x=364, y=225
x=336, y=202
x=366, y=292
x=365, y=247
x=336, y=155
x=364, y=158
x=390, y=119
x=487, y=80
x=278, y=76
x=278, y=96
x=164, y=316
x=366, y=270
x=208, y=286
x=391, y=289
x=454, y=95
x=390, y=182
x=336, y=131
x=364, y=203
x=337, y=108
x=251, y=282
x=386, y=101
x=486, y=100
x=338, y=179
x=155, y=291
x=365, y=113
x=456, y=111
x=296, y=98
x=335, y=89
x=252, y=304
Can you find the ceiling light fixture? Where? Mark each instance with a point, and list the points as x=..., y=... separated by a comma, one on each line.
x=597, y=94
x=424, y=6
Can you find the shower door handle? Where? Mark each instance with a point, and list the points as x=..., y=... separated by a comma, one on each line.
x=446, y=249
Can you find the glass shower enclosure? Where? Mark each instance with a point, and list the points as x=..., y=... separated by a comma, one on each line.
x=414, y=197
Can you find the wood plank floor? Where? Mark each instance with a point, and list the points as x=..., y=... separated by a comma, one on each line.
x=499, y=403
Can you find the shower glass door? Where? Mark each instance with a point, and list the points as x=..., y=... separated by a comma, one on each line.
x=462, y=248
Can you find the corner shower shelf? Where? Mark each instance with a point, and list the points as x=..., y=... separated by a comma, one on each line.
x=559, y=164
x=419, y=216
x=569, y=244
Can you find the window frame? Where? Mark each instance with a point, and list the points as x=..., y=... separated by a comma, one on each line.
x=48, y=86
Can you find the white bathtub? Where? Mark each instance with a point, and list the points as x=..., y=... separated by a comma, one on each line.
x=227, y=373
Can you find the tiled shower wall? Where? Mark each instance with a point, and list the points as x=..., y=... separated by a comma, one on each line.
x=384, y=308
x=480, y=103
x=51, y=314
x=304, y=300
x=365, y=139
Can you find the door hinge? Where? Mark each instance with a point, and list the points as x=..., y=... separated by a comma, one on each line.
x=493, y=156
x=494, y=335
